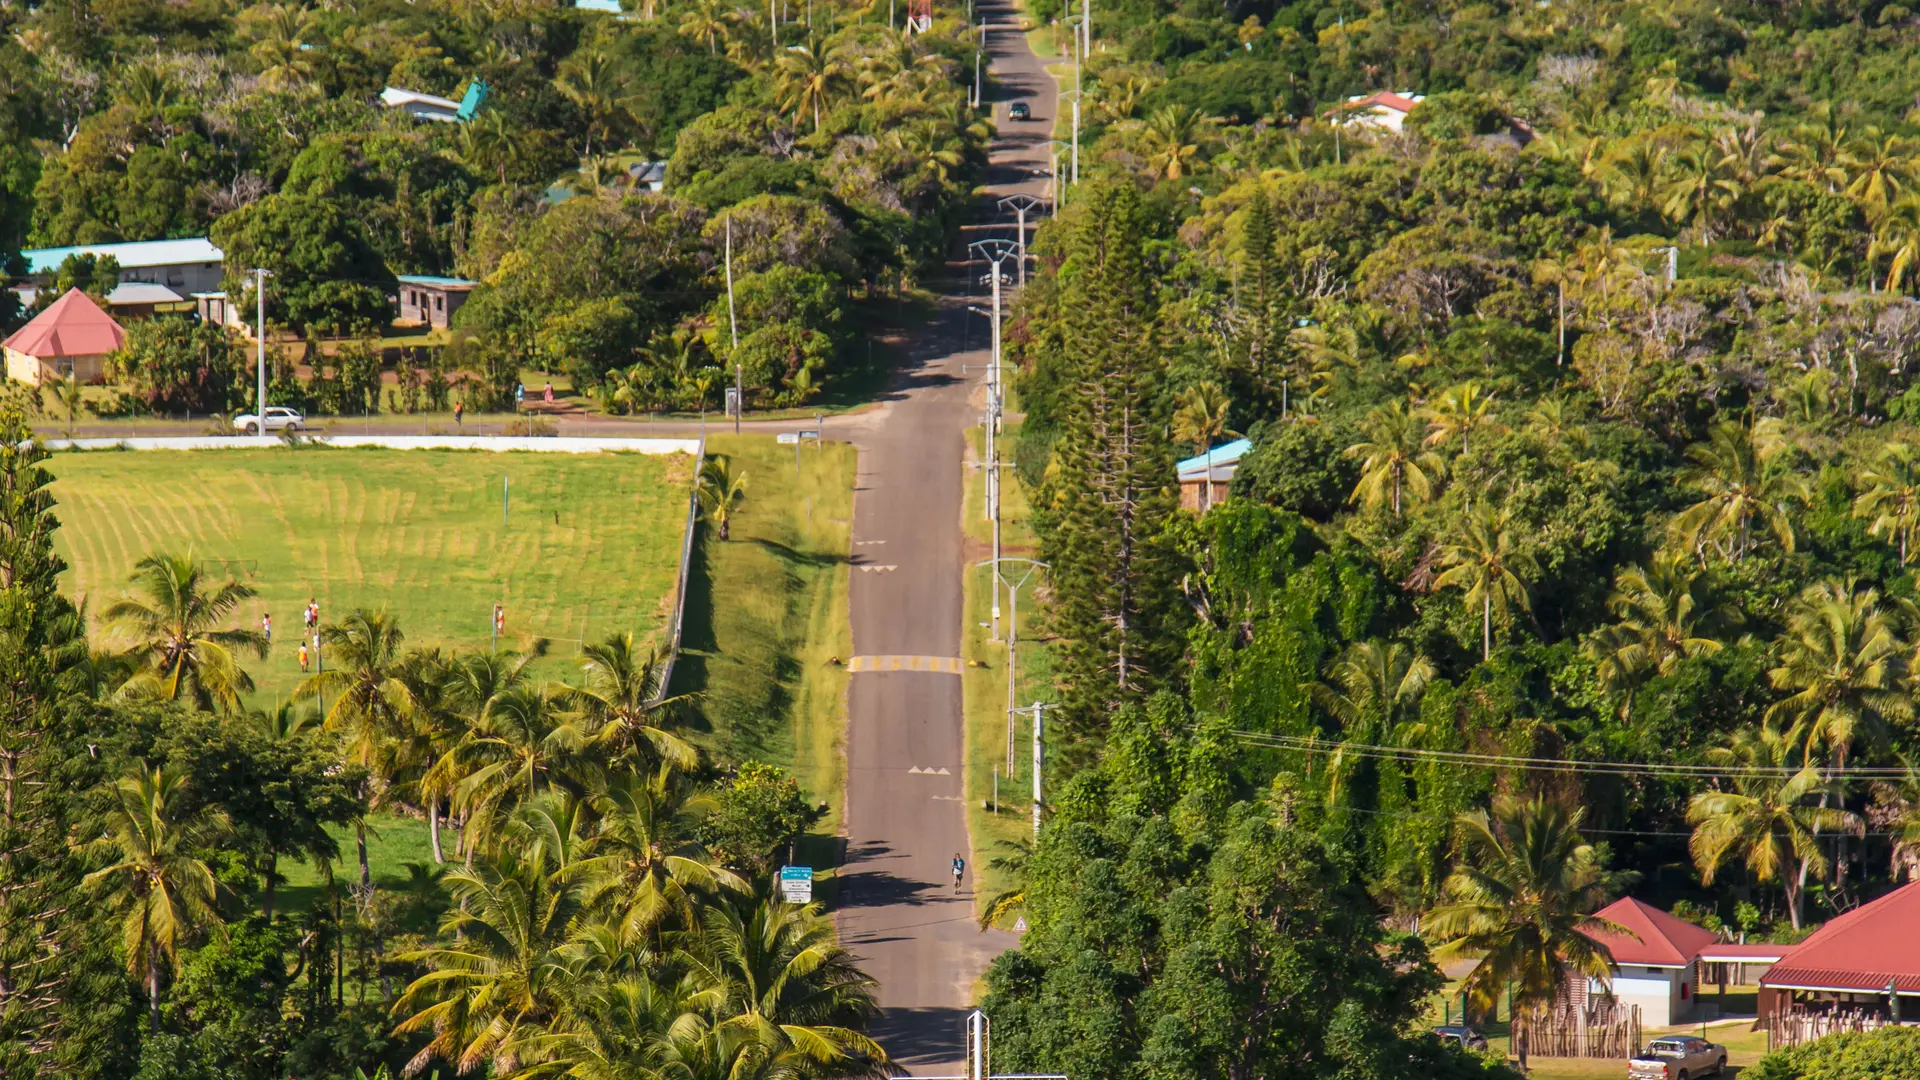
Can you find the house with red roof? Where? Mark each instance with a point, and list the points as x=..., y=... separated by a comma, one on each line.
x=71, y=339
x=1656, y=965
x=1381, y=109
x=1866, y=961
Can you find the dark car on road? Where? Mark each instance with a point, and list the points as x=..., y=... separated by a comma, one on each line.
x=1019, y=111
x=1466, y=1038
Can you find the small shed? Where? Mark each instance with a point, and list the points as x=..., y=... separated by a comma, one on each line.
x=138, y=299
x=1657, y=967
x=71, y=339
x=1205, y=478
x=431, y=301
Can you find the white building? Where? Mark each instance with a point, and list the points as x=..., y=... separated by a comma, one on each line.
x=1660, y=972
x=183, y=266
x=420, y=106
x=1382, y=109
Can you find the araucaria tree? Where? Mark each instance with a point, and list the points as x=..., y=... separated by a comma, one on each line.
x=1109, y=496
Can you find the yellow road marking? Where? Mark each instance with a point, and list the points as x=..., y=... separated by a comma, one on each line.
x=942, y=665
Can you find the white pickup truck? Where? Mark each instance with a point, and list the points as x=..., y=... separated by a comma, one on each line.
x=278, y=418
x=1678, y=1057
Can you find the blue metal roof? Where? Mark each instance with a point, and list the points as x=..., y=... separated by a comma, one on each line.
x=427, y=279
x=1220, y=455
x=471, y=101
x=135, y=255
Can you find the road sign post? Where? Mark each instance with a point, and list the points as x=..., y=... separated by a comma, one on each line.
x=796, y=884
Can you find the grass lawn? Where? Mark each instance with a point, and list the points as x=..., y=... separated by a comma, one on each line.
x=591, y=544
x=767, y=614
x=995, y=826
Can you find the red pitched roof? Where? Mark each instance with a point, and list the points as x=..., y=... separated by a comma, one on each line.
x=71, y=326
x=1665, y=940
x=1860, y=950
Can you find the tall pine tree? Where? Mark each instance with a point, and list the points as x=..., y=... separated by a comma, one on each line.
x=1262, y=317
x=1110, y=496
x=62, y=995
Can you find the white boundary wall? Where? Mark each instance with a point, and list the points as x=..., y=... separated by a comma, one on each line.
x=494, y=443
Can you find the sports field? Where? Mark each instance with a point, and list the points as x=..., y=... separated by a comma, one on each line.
x=590, y=543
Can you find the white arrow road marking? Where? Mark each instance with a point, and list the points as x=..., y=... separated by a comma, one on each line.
x=878, y=569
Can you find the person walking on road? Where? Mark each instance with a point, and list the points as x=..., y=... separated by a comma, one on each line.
x=303, y=654
x=549, y=394
x=459, y=410
x=266, y=626
x=959, y=869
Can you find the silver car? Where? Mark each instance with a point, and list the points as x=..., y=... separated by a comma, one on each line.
x=1678, y=1057
x=278, y=418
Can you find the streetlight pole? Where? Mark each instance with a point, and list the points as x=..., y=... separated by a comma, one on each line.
x=260, y=340
x=1054, y=194
x=1073, y=97
x=1020, y=204
x=1013, y=636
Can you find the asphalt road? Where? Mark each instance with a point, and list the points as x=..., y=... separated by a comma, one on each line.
x=900, y=912
x=905, y=820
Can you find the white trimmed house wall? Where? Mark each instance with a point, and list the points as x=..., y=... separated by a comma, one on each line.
x=1665, y=994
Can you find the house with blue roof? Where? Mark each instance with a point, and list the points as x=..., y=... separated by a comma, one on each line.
x=1204, y=479
x=183, y=267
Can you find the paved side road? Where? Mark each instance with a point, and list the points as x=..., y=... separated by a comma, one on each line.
x=913, y=930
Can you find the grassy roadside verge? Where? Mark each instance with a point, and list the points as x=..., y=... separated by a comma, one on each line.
x=996, y=829
x=767, y=610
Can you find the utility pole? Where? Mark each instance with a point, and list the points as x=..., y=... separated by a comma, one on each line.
x=1020, y=204
x=1038, y=709
x=1073, y=176
x=733, y=325
x=260, y=340
x=978, y=1060
x=739, y=398
x=1013, y=630
x=1055, y=195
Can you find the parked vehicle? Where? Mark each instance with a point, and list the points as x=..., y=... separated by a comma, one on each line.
x=1678, y=1057
x=1468, y=1038
x=278, y=418
x=1019, y=111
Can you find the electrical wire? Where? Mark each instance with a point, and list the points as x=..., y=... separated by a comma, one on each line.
x=1504, y=761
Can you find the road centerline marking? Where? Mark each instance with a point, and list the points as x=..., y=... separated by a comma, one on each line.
x=935, y=665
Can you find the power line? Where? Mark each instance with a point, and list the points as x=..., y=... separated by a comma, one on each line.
x=1504, y=761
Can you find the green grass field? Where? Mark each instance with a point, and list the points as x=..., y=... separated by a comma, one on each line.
x=590, y=545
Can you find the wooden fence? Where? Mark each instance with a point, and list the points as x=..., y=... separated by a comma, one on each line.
x=1598, y=1029
x=1791, y=1027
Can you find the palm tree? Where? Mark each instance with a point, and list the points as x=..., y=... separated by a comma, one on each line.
x=1818, y=152
x=1740, y=483
x=1890, y=495
x=643, y=863
x=520, y=745
x=1177, y=138
x=370, y=699
x=1699, y=189
x=1519, y=898
x=1200, y=417
x=1458, y=412
x=1665, y=615
x=720, y=493
x=70, y=393
x=491, y=141
x=1366, y=690
x=1882, y=168
x=1488, y=563
x=1844, y=664
x=779, y=979
x=1008, y=901
x=625, y=704
x=500, y=967
x=281, y=45
x=1897, y=809
x=1632, y=176
x=1768, y=820
x=1897, y=234
x=591, y=80
x=166, y=892
x=1392, y=460
x=806, y=79
x=172, y=625
x=709, y=21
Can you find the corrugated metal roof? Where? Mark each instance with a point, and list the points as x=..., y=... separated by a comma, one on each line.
x=138, y=254
x=393, y=97
x=142, y=292
x=1220, y=455
x=442, y=282
x=1664, y=940
x=1860, y=950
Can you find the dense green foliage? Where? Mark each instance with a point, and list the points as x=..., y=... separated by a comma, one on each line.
x=836, y=155
x=1893, y=1053
x=1583, y=431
